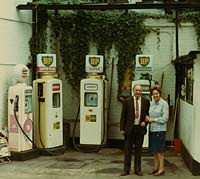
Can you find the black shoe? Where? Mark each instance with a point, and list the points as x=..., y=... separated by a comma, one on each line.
x=139, y=173
x=153, y=172
x=124, y=173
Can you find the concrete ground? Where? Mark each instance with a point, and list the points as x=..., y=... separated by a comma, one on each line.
x=107, y=163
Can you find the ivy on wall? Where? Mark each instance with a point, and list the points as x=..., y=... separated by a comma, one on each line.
x=38, y=42
x=195, y=18
x=75, y=30
x=80, y=28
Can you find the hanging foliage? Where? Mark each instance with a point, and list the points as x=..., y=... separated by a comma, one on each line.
x=79, y=28
x=75, y=30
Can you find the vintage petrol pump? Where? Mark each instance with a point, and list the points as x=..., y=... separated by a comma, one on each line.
x=93, y=100
x=48, y=106
x=20, y=112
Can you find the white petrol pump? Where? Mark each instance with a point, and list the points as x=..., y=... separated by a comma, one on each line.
x=93, y=100
x=20, y=111
x=48, y=106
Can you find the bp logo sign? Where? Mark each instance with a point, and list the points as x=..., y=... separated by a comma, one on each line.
x=94, y=61
x=47, y=60
x=144, y=63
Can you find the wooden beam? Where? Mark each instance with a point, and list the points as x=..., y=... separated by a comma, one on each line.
x=106, y=6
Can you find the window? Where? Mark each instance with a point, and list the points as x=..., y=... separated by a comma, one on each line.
x=186, y=83
x=189, y=84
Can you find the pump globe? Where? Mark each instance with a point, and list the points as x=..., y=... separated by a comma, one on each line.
x=21, y=73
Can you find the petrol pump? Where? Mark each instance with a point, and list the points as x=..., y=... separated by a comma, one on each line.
x=93, y=100
x=48, y=106
x=20, y=112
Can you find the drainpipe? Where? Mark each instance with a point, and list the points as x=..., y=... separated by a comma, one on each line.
x=177, y=68
x=34, y=31
x=177, y=53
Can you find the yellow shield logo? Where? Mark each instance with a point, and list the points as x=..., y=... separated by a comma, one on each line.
x=144, y=61
x=47, y=60
x=94, y=61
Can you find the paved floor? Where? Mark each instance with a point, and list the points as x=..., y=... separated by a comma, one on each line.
x=107, y=163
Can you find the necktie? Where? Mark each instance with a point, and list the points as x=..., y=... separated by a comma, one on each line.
x=136, y=108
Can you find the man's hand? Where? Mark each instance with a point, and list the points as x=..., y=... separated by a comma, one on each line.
x=149, y=119
x=143, y=124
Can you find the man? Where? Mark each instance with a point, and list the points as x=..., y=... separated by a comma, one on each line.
x=133, y=127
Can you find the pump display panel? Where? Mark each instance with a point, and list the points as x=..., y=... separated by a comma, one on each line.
x=56, y=100
x=91, y=99
x=28, y=101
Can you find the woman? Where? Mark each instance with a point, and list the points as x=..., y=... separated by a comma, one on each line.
x=158, y=117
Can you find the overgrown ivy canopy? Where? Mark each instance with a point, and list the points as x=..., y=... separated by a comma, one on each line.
x=80, y=28
x=77, y=29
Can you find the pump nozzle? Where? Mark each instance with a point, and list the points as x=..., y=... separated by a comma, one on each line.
x=16, y=103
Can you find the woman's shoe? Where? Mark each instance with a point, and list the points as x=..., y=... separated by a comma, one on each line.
x=153, y=172
x=160, y=173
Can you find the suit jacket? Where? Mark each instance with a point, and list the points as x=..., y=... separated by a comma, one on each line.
x=128, y=113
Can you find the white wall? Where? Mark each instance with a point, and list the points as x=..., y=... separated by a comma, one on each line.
x=186, y=125
x=196, y=144
x=189, y=120
x=15, y=32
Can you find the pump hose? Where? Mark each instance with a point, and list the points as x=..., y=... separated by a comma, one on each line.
x=40, y=136
x=15, y=103
x=73, y=140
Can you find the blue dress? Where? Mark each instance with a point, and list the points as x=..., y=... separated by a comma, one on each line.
x=160, y=112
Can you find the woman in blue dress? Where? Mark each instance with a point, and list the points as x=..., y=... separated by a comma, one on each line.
x=158, y=117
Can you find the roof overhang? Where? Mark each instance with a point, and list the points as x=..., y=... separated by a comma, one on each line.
x=187, y=59
x=108, y=6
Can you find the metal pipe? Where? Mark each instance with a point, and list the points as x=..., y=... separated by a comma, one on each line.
x=34, y=32
x=177, y=34
x=106, y=6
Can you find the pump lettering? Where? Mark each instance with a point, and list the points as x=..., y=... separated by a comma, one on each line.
x=56, y=87
x=94, y=69
x=92, y=87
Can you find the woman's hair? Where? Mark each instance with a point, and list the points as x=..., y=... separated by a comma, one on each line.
x=155, y=87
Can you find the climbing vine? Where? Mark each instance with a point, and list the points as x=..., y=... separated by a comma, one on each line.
x=76, y=30
x=38, y=41
x=80, y=28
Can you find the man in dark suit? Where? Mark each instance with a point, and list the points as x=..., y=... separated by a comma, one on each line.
x=133, y=127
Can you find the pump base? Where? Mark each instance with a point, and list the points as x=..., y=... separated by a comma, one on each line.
x=24, y=155
x=52, y=151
